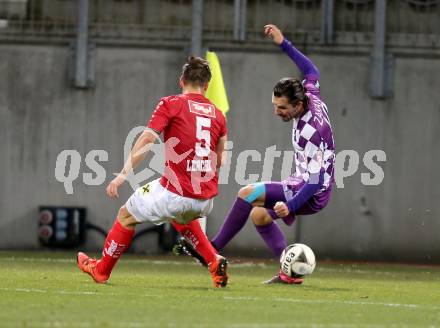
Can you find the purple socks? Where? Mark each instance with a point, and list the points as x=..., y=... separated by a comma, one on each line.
x=274, y=237
x=234, y=222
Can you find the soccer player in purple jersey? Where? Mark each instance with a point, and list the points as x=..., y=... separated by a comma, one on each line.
x=308, y=190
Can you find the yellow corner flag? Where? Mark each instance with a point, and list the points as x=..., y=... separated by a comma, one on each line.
x=216, y=91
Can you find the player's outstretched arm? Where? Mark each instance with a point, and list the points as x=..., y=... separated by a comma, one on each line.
x=302, y=61
x=137, y=154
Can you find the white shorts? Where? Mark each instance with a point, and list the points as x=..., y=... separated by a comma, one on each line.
x=154, y=203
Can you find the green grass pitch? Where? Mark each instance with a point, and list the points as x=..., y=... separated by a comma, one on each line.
x=48, y=290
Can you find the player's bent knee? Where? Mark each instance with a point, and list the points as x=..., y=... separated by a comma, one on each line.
x=254, y=193
x=260, y=217
x=126, y=219
x=244, y=192
x=128, y=222
x=123, y=212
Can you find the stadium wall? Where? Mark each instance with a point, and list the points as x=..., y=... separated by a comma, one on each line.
x=41, y=115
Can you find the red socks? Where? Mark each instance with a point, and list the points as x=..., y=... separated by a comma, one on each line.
x=119, y=239
x=193, y=233
x=117, y=242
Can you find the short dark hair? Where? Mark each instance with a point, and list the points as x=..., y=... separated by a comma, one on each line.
x=196, y=71
x=293, y=89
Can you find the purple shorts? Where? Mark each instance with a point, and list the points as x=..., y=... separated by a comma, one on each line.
x=286, y=190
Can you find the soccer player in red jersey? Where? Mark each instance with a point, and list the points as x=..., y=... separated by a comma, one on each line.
x=194, y=133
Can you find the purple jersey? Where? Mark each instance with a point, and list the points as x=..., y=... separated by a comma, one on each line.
x=312, y=139
x=313, y=143
x=308, y=190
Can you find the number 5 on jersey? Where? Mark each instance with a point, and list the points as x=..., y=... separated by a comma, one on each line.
x=203, y=135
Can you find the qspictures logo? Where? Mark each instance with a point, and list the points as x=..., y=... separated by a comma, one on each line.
x=236, y=169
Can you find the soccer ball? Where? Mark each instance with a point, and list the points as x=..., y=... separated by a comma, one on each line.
x=297, y=261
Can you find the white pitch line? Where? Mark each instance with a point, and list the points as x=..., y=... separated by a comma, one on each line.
x=368, y=272
x=304, y=325
x=293, y=300
x=24, y=290
x=53, y=324
x=135, y=324
x=41, y=259
x=142, y=324
x=240, y=298
x=412, y=306
x=41, y=291
x=239, y=265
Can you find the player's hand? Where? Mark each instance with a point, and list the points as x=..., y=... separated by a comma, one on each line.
x=112, y=188
x=281, y=209
x=273, y=32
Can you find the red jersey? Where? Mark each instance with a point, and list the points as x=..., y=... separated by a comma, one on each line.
x=192, y=127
